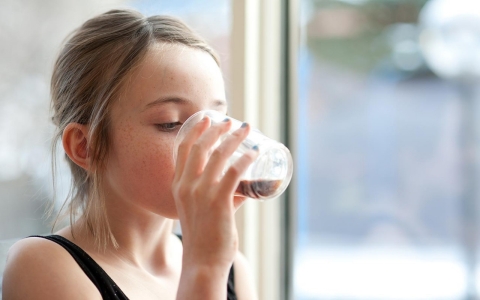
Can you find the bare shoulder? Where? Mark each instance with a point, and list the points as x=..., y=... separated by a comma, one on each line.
x=37, y=268
x=244, y=286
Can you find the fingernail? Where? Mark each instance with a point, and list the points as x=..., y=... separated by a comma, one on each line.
x=244, y=124
x=226, y=119
x=255, y=148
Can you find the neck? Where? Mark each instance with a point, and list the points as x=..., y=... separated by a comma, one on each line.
x=143, y=239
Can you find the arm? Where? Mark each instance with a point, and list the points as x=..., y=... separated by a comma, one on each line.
x=244, y=286
x=196, y=283
x=40, y=269
x=205, y=203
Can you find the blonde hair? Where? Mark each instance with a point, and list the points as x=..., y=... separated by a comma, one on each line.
x=87, y=77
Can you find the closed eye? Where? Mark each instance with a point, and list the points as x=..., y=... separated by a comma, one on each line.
x=169, y=127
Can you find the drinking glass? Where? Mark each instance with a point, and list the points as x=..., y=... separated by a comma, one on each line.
x=268, y=176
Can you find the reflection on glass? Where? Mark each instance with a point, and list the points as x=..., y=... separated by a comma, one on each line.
x=382, y=168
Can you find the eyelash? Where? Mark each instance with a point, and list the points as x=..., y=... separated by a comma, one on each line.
x=166, y=127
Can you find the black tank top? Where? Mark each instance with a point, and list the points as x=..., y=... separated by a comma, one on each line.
x=105, y=285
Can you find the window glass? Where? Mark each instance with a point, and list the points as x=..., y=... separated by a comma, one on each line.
x=33, y=31
x=387, y=145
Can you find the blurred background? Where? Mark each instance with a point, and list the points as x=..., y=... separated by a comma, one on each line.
x=387, y=140
x=388, y=150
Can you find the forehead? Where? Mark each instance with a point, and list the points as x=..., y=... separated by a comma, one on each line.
x=171, y=70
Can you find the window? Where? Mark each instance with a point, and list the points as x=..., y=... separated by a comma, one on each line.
x=386, y=143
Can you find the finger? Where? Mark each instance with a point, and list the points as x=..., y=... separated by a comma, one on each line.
x=199, y=151
x=231, y=179
x=216, y=162
x=186, y=144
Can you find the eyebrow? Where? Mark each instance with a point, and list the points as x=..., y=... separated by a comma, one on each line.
x=181, y=101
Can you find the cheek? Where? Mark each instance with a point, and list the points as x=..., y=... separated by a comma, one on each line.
x=142, y=162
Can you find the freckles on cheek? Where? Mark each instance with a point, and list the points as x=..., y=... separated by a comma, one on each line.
x=140, y=152
x=126, y=146
x=144, y=159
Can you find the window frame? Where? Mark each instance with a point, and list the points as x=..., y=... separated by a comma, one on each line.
x=263, y=93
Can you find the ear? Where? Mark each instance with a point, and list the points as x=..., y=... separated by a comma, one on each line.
x=75, y=143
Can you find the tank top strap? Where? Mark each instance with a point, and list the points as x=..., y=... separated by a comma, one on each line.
x=105, y=285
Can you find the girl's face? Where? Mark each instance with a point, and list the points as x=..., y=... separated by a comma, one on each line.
x=170, y=84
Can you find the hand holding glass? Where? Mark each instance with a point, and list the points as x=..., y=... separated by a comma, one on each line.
x=268, y=176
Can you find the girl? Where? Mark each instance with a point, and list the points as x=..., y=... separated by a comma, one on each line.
x=121, y=88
